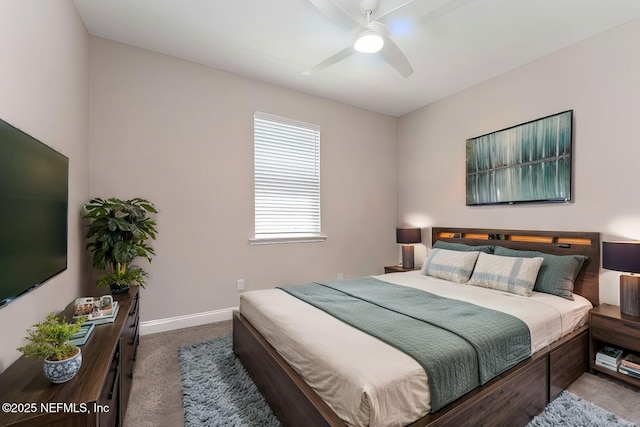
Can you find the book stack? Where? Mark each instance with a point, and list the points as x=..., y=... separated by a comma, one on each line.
x=81, y=337
x=96, y=311
x=609, y=357
x=630, y=365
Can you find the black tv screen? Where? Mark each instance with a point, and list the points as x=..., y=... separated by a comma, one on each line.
x=33, y=212
x=530, y=162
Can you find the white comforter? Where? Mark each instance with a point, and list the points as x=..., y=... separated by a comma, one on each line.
x=367, y=382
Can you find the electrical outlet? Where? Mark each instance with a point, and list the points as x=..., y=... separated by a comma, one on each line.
x=340, y=276
x=240, y=285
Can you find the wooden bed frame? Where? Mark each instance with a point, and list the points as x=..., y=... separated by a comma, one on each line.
x=513, y=398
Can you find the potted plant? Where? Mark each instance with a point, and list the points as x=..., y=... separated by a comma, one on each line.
x=50, y=339
x=122, y=277
x=117, y=233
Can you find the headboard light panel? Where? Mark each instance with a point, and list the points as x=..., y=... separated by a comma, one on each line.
x=552, y=242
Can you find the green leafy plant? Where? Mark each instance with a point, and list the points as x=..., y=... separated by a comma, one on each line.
x=123, y=276
x=50, y=339
x=117, y=233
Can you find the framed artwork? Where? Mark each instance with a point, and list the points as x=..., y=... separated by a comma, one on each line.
x=529, y=162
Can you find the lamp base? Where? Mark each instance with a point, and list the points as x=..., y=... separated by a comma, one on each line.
x=407, y=257
x=630, y=295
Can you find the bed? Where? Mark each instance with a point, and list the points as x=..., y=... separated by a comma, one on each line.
x=512, y=397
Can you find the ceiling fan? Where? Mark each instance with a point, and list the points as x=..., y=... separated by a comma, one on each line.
x=372, y=36
x=376, y=31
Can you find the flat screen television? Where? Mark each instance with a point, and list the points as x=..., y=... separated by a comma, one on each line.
x=530, y=162
x=33, y=213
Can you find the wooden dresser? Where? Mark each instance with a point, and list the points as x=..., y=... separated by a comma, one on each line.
x=96, y=396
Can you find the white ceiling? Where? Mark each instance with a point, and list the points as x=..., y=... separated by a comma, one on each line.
x=451, y=44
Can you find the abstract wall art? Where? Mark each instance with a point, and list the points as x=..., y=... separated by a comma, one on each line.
x=529, y=162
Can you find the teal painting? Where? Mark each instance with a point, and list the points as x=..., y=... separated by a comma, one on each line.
x=530, y=162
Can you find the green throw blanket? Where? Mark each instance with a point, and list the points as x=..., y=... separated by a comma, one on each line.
x=460, y=345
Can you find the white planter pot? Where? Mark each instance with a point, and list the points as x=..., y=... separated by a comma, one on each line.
x=61, y=371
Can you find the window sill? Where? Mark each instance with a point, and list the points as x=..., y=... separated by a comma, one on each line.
x=275, y=239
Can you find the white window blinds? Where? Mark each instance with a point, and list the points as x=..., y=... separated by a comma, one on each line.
x=287, y=177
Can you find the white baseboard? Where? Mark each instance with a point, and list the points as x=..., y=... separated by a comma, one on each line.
x=179, y=322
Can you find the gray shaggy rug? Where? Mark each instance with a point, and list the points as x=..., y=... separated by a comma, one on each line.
x=572, y=411
x=216, y=389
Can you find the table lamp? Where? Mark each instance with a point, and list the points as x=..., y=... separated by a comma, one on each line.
x=625, y=256
x=406, y=236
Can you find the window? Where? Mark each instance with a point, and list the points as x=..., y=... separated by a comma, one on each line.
x=287, y=180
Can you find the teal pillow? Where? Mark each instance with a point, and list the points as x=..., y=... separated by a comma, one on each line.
x=461, y=247
x=557, y=273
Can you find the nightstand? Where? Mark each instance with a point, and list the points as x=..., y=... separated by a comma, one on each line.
x=397, y=269
x=608, y=327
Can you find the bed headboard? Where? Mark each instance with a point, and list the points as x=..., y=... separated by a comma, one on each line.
x=587, y=283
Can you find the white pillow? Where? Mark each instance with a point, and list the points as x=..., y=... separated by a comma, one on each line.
x=454, y=266
x=511, y=274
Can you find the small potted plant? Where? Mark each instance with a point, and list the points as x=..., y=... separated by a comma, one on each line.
x=117, y=233
x=50, y=339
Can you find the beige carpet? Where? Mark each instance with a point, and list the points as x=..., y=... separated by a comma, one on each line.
x=622, y=401
x=156, y=394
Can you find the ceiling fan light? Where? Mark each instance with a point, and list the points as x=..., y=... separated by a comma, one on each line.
x=368, y=42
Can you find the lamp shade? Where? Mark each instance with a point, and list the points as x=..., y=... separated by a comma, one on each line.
x=408, y=235
x=621, y=256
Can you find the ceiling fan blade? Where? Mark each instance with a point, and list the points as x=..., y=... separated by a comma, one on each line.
x=390, y=11
x=441, y=11
x=394, y=56
x=344, y=53
x=335, y=12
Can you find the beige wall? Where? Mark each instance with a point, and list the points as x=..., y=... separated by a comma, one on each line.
x=598, y=79
x=44, y=92
x=181, y=135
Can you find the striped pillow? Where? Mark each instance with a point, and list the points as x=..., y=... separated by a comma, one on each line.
x=454, y=266
x=512, y=274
